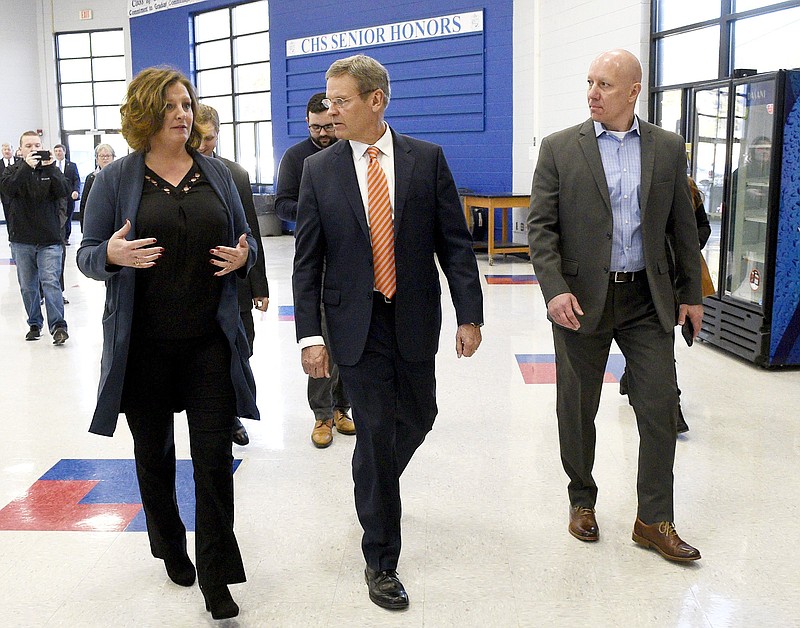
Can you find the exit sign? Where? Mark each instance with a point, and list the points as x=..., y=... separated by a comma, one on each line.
x=85, y=14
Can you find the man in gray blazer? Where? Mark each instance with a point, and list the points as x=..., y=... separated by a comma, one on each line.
x=606, y=195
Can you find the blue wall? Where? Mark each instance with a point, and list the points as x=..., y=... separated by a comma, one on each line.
x=480, y=158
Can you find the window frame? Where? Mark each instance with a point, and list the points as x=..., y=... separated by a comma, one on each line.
x=264, y=170
x=728, y=17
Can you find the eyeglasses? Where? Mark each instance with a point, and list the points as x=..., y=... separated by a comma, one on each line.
x=105, y=156
x=328, y=128
x=341, y=102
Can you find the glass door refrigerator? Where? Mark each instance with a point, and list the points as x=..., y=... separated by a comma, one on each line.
x=746, y=160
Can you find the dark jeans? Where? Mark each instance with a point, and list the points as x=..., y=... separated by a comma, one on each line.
x=40, y=264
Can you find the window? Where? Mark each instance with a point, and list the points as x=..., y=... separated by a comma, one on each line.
x=687, y=57
x=696, y=42
x=91, y=79
x=675, y=13
x=767, y=42
x=90, y=70
x=232, y=74
x=668, y=110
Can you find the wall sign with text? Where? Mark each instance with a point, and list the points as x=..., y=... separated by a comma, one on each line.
x=399, y=32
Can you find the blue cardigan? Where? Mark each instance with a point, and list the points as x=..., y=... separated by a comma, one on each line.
x=115, y=198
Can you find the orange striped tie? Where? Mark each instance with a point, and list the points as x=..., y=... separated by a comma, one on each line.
x=381, y=226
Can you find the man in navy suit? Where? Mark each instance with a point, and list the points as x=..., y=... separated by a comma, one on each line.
x=6, y=161
x=384, y=344
x=70, y=171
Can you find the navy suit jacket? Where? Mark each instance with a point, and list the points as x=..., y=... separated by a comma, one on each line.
x=332, y=232
x=74, y=180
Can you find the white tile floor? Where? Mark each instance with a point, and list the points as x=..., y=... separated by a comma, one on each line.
x=485, y=507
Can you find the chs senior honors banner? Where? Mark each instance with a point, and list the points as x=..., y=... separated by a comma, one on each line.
x=426, y=28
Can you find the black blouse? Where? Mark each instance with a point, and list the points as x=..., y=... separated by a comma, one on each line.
x=179, y=296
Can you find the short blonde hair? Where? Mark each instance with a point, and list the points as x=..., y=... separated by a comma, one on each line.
x=145, y=103
x=207, y=117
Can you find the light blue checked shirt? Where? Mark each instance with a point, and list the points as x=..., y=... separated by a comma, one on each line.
x=622, y=163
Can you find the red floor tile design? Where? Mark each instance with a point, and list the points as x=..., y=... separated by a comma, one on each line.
x=54, y=505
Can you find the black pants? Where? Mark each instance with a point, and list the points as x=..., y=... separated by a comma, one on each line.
x=394, y=407
x=164, y=377
x=631, y=320
x=249, y=328
x=326, y=394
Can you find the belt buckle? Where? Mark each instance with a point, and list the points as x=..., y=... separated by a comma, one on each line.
x=386, y=299
x=617, y=274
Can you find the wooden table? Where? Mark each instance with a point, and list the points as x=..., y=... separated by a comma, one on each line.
x=492, y=202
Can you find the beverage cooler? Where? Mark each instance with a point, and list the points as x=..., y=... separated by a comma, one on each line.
x=746, y=160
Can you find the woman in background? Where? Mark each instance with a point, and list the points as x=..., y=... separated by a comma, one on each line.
x=103, y=155
x=165, y=229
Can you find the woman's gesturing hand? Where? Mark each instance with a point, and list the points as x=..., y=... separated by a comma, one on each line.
x=134, y=253
x=231, y=259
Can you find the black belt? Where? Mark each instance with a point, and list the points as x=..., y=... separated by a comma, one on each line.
x=379, y=297
x=618, y=276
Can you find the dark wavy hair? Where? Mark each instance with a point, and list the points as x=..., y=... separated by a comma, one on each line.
x=144, y=107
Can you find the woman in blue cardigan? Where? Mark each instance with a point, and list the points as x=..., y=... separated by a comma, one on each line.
x=165, y=229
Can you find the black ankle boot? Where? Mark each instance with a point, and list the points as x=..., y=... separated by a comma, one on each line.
x=180, y=570
x=219, y=601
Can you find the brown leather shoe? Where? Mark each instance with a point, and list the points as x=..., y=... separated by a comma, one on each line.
x=344, y=424
x=662, y=537
x=322, y=434
x=582, y=523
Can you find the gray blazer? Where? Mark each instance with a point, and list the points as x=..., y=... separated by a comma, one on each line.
x=115, y=197
x=570, y=223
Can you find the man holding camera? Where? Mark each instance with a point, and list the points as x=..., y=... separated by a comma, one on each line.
x=34, y=186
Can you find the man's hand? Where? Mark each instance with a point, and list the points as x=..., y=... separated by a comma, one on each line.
x=74, y=196
x=564, y=310
x=33, y=159
x=694, y=313
x=315, y=361
x=261, y=303
x=468, y=339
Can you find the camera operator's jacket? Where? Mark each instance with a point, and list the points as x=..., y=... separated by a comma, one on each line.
x=34, y=192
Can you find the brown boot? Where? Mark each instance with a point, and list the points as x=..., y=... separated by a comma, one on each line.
x=322, y=434
x=344, y=424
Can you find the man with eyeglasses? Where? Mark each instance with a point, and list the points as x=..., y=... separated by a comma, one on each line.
x=326, y=395
x=376, y=211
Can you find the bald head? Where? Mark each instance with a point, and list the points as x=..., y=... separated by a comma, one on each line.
x=625, y=63
x=615, y=80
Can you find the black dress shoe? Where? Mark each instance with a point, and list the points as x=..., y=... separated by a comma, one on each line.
x=219, y=601
x=180, y=570
x=238, y=433
x=385, y=589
